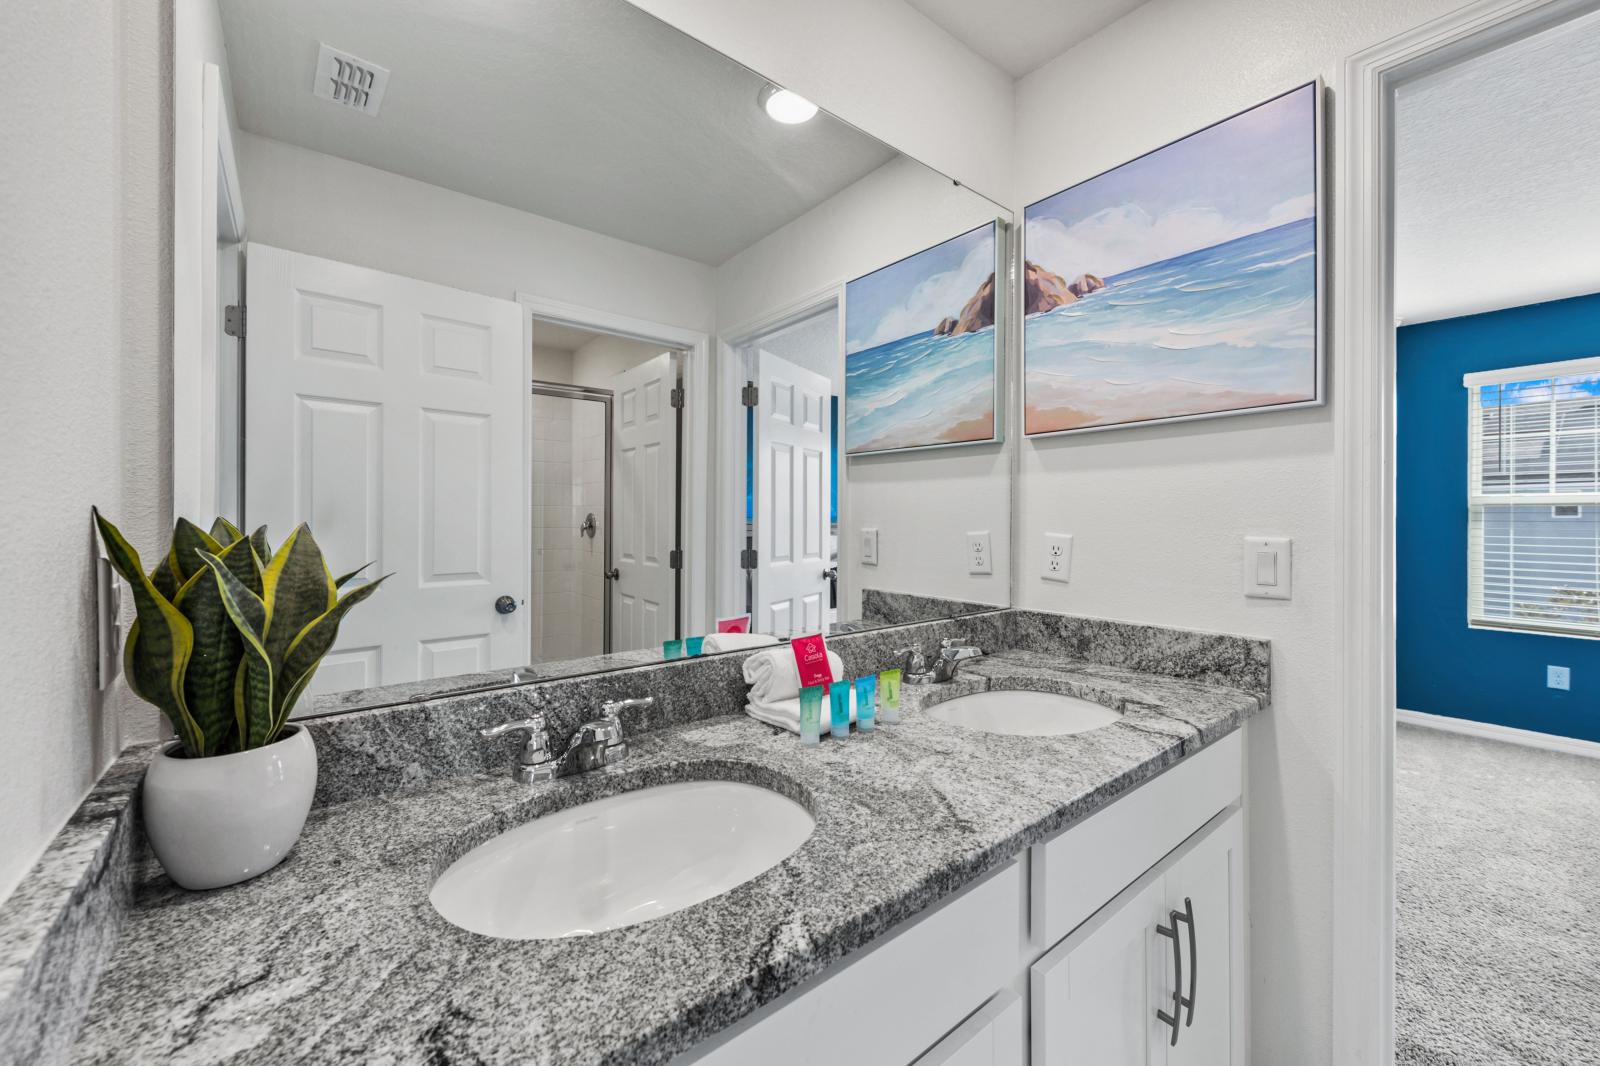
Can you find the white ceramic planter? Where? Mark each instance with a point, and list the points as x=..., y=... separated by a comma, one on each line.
x=218, y=821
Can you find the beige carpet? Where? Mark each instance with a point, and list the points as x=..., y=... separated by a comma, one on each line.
x=1497, y=879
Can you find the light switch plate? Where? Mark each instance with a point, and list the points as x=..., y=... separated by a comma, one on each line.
x=1558, y=677
x=1055, y=564
x=869, y=546
x=1266, y=565
x=980, y=556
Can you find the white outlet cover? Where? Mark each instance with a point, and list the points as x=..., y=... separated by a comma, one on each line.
x=869, y=546
x=1558, y=677
x=1055, y=561
x=980, y=553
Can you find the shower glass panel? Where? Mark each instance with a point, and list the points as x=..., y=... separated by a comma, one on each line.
x=571, y=522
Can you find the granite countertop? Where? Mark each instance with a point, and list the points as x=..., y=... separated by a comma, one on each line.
x=337, y=955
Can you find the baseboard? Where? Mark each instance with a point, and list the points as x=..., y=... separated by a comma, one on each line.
x=1526, y=737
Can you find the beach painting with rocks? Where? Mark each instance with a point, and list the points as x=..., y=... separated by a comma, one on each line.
x=920, y=351
x=1182, y=284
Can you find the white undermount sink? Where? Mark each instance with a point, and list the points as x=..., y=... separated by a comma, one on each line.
x=1024, y=714
x=620, y=861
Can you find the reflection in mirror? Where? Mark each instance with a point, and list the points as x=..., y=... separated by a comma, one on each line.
x=550, y=316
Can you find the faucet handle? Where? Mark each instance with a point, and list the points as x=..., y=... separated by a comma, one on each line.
x=535, y=762
x=950, y=642
x=614, y=708
x=534, y=727
x=912, y=658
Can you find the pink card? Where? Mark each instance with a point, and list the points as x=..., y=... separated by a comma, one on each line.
x=739, y=623
x=811, y=657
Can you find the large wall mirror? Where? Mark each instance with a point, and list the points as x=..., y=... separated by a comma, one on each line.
x=593, y=338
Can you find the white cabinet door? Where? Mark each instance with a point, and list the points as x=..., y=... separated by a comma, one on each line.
x=388, y=413
x=644, y=496
x=1094, y=994
x=1207, y=884
x=991, y=1037
x=791, y=519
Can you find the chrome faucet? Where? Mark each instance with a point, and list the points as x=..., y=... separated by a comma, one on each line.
x=953, y=651
x=600, y=742
x=535, y=762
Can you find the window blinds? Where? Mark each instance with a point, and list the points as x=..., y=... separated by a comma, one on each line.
x=1534, y=498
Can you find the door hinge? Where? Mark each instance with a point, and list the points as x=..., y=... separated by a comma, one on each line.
x=675, y=559
x=747, y=559
x=675, y=397
x=233, y=320
x=751, y=395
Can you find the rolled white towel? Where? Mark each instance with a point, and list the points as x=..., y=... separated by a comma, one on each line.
x=773, y=676
x=716, y=642
x=785, y=714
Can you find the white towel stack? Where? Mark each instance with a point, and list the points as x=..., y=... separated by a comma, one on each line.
x=716, y=642
x=774, y=682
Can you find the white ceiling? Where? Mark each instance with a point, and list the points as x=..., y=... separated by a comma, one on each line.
x=1497, y=178
x=1018, y=36
x=590, y=112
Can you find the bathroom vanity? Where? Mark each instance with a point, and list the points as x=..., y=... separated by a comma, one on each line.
x=964, y=896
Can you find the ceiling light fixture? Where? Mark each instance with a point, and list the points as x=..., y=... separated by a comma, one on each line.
x=784, y=106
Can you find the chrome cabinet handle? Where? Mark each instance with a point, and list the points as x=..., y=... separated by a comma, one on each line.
x=1175, y=1019
x=1194, y=960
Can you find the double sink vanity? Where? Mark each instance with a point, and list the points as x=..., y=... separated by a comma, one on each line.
x=1043, y=857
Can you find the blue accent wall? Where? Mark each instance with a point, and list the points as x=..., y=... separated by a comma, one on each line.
x=1443, y=667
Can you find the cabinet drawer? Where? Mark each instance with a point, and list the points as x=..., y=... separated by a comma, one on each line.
x=1076, y=871
x=991, y=1037
x=894, y=1001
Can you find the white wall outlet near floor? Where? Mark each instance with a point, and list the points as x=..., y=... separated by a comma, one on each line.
x=1558, y=677
x=869, y=546
x=1056, y=562
x=1266, y=565
x=979, y=556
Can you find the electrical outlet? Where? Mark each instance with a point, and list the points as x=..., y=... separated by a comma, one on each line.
x=1558, y=677
x=869, y=546
x=979, y=557
x=1056, y=563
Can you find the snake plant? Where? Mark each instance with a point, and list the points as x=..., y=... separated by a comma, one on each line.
x=229, y=633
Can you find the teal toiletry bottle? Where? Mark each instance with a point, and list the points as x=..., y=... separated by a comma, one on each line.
x=889, y=689
x=672, y=649
x=866, y=696
x=811, y=715
x=839, y=723
x=692, y=646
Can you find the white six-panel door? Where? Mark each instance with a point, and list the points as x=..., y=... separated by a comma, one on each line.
x=791, y=521
x=644, y=458
x=388, y=413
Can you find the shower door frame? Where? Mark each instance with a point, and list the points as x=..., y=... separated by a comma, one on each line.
x=603, y=396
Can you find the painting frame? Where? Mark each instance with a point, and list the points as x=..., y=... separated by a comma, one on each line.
x=1319, y=397
x=1001, y=228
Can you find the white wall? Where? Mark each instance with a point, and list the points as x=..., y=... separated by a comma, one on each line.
x=596, y=362
x=85, y=262
x=550, y=364
x=880, y=65
x=922, y=503
x=321, y=205
x=1157, y=512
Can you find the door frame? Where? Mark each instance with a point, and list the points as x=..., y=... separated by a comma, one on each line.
x=205, y=187
x=694, y=464
x=733, y=371
x=1364, y=424
x=593, y=395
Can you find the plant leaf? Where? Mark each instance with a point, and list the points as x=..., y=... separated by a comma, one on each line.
x=253, y=681
x=344, y=579
x=218, y=646
x=186, y=539
x=258, y=541
x=225, y=532
x=297, y=589
x=160, y=644
x=305, y=652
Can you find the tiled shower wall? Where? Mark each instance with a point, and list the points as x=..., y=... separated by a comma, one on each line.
x=568, y=483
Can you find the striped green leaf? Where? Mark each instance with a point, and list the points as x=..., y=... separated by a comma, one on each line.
x=253, y=680
x=305, y=652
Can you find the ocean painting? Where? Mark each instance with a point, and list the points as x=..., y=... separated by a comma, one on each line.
x=1183, y=283
x=920, y=350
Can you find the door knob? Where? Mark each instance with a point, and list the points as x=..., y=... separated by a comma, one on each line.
x=505, y=604
x=613, y=574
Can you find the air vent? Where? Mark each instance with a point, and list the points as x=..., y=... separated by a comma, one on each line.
x=349, y=81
